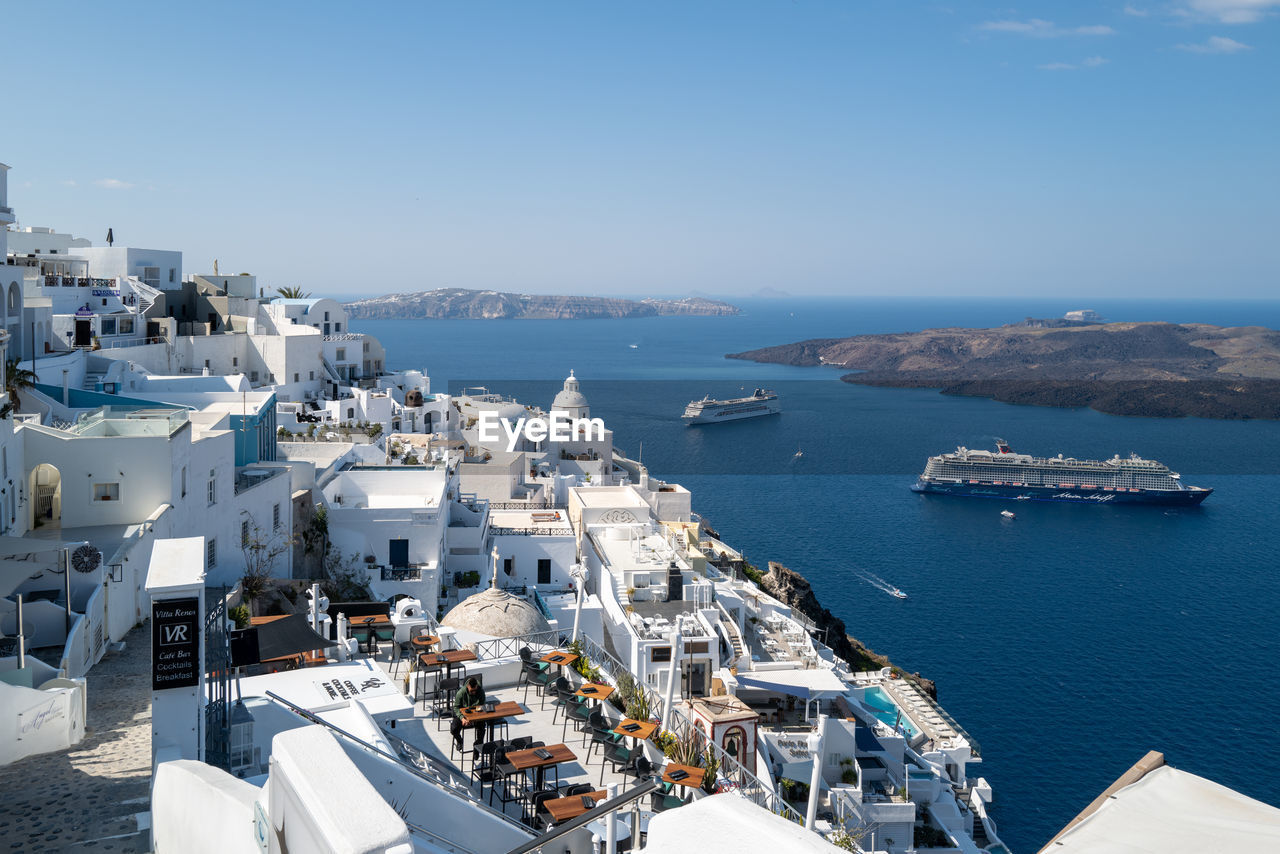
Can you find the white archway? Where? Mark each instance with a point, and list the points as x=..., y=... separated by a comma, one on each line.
x=46, y=495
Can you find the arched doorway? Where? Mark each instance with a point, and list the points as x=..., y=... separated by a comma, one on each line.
x=46, y=495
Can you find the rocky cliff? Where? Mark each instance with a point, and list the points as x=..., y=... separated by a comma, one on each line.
x=793, y=589
x=1149, y=369
x=447, y=303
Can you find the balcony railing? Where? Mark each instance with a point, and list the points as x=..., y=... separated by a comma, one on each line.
x=401, y=573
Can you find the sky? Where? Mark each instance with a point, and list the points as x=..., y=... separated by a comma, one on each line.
x=666, y=148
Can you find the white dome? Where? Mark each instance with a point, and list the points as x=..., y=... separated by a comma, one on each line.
x=571, y=399
x=496, y=613
x=512, y=412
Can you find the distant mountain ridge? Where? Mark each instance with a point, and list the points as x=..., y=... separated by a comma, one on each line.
x=449, y=303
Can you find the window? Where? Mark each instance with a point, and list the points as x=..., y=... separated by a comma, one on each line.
x=106, y=492
x=184, y=483
x=172, y=275
x=253, y=376
x=275, y=517
x=337, y=327
x=125, y=325
x=661, y=653
x=544, y=570
x=295, y=378
x=342, y=354
x=509, y=565
x=235, y=361
x=213, y=487
x=313, y=375
x=206, y=363
x=351, y=413
x=151, y=275
x=107, y=325
x=211, y=554
x=696, y=647
x=244, y=534
x=104, y=300
x=326, y=315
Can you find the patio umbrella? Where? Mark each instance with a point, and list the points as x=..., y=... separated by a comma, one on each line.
x=290, y=635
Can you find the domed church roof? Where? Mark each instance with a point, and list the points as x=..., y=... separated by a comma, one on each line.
x=496, y=613
x=570, y=397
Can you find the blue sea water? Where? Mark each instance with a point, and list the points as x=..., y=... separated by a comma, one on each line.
x=1068, y=642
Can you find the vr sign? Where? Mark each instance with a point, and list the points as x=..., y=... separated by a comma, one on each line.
x=175, y=643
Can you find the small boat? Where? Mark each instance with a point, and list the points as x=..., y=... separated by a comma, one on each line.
x=798, y=454
x=1023, y=497
x=895, y=592
x=634, y=346
x=1008, y=514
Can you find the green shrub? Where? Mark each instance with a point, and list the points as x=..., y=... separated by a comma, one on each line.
x=240, y=615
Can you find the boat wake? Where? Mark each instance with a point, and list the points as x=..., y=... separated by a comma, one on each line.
x=879, y=583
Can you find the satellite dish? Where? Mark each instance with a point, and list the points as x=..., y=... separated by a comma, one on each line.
x=86, y=559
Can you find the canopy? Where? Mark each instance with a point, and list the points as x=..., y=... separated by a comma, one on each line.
x=804, y=684
x=739, y=826
x=1175, y=812
x=291, y=635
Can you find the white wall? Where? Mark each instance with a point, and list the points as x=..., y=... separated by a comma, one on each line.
x=35, y=721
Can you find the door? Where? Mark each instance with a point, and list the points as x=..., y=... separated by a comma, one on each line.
x=84, y=333
x=399, y=553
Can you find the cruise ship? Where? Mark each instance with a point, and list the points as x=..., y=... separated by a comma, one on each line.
x=1009, y=475
x=708, y=411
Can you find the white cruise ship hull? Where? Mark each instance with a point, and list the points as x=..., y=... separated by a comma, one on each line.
x=715, y=414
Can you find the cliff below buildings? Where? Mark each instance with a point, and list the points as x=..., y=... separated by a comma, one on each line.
x=1148, y=369
x=794, y=590
x=450, y=303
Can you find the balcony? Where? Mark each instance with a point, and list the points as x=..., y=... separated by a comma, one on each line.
x=401, y=573
x=248, y=478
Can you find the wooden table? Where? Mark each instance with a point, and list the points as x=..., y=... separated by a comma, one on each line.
x=436, y=660
x=563, y=809
x=528, y=760
x=559, y=657
x=601, y=692
x=695, y=778
x=500, y=711
x=643, y=729
x=424, y=641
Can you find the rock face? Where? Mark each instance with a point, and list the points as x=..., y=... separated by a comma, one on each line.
x=1149, y=369
x=447, y=303
x=793, y=589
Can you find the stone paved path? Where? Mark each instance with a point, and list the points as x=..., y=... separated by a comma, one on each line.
x=85, y=798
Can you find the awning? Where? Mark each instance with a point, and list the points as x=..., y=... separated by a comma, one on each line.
x=804, y=684
x=290, y=635
x=739, y=826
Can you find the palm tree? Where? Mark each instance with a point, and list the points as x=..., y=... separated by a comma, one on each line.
x=292, y=292
x=16, y=378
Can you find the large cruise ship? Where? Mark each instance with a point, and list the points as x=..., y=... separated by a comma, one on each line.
x=708, y=411
x=1005, y=474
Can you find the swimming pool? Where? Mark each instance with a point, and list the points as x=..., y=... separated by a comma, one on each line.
x=886, y=711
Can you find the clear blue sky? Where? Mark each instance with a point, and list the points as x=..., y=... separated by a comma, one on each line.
x=1091, y=148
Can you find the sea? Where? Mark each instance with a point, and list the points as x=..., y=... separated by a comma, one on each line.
x=1068, y=642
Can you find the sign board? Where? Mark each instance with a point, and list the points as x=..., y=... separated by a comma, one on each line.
x=175, y=643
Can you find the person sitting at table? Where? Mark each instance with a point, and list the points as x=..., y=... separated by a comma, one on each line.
x=468, y=696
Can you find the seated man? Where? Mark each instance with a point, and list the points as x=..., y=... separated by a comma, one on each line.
x=468, y=696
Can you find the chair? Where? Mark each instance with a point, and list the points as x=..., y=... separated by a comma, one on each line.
x=502, y=772
x=524, y=742
x=442, y=701
x=482, y=770
x=564, y=694
x=536, y=813
x=541, y=679
x=579, y=713
x=601, y=733
x=618, y=756
x=661, y=799
x=643, y=767
x=579, y=789
x=397, y=656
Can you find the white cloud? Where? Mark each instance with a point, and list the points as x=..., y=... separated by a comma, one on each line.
x=70, y=182
x=1215, y=44
x=1230, y=11
x=1088, y=62
x=113, y=184
x=1042, y=29
x=1135, y=12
